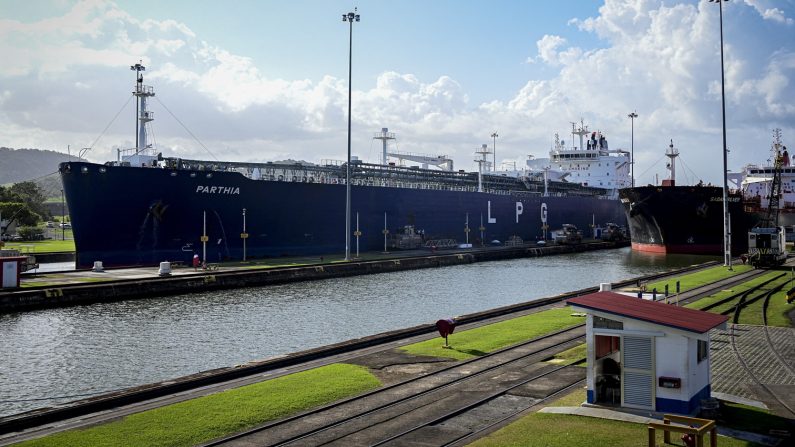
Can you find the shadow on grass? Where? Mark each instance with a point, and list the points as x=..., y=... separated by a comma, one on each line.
x=755, y=420
x=474, y=352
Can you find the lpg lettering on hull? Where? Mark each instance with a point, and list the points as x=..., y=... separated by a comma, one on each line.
x=218, y=190
x=519, y=210
x=491, y=219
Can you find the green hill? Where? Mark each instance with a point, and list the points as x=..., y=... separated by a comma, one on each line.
x=17, y=165
x=40, y=166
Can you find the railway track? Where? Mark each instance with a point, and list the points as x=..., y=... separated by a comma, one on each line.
x=411, y=406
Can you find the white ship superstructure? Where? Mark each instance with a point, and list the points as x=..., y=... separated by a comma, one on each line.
x=755, y=182
x=591, y=163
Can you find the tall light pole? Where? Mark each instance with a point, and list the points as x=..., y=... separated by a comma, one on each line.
x=727, y=249
x=349, y=17
x=632, y=117
x=494, y=148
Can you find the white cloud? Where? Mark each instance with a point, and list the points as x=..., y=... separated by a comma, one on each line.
x=548, y=48
x=768, y=13
x=658, y=58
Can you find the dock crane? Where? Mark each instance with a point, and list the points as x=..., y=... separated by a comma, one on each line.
x=767, y=241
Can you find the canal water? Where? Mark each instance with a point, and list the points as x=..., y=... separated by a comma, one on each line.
x=57, y=355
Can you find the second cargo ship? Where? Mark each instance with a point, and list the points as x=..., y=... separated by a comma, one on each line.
x=683, y=219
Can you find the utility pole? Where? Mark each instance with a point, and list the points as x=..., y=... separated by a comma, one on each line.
x=632, y=117
x=244, y=235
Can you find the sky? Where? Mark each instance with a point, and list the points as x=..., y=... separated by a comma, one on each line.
x=258, y=81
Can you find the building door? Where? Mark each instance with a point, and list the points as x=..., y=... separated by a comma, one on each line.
x=10, y=274
x=637, y=371
x=607, y=370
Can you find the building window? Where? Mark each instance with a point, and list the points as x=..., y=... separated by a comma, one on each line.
x=604, y=323
x=703, y=350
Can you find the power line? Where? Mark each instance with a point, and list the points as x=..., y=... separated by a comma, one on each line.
x=652, y=165
x=111, y=122
x=186, y=128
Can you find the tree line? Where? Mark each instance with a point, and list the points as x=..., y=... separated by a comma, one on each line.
x=22, y=203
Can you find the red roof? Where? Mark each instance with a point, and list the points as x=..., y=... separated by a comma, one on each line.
x=651, y=311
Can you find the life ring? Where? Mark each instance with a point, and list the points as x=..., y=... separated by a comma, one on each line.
x=281, y=177
x=303, y=179
x=311, y=180
x=295, y=179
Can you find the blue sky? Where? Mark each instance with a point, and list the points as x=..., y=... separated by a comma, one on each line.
x=257, y=80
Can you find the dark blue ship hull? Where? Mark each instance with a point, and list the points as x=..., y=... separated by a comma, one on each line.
x=127, y=216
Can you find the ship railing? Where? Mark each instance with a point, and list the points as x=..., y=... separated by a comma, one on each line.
x=122, y=153
x=144, y=89
x=331, y=162
x=318, y=177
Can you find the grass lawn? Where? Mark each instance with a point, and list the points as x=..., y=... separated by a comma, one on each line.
x=200, y=420
x=547, y=430
x=485, y=339
x=697, y=279
x=47, y=246
x=61, y=283
x=569, y=356
x=778, y=309
x=752, y=314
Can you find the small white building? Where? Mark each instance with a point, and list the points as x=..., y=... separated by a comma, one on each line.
x=646, y=354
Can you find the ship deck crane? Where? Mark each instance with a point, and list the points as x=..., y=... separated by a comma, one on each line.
x=441, y=161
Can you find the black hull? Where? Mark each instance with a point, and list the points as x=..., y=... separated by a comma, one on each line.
x=127, y=216
x=683, y=219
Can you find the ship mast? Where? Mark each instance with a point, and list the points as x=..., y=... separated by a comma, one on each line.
x=484, y=152
x=385, y=135
x=143, y=116
x=672, y=153
x=581, y=131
